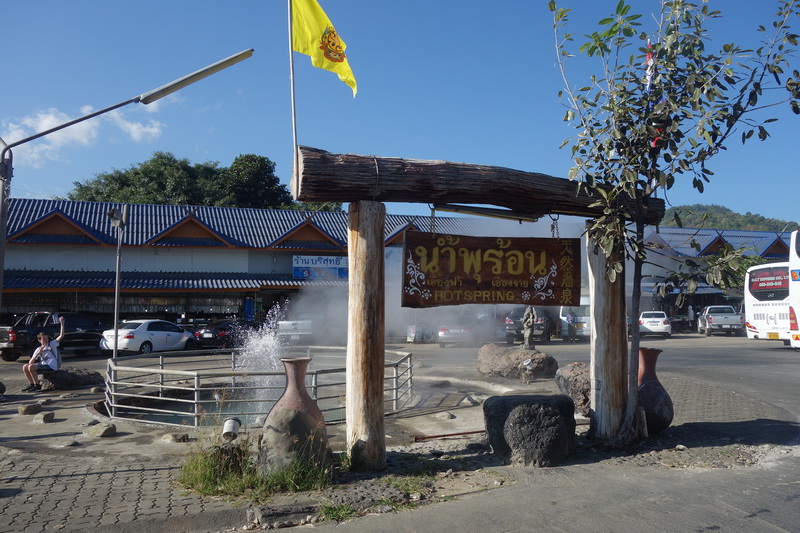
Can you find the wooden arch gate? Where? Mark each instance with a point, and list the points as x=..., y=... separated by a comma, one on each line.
x=366, y=181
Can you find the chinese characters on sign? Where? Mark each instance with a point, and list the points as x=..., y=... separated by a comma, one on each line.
x=319, y=267
x=441, y=269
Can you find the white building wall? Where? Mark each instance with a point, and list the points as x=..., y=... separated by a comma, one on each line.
x=142, y=259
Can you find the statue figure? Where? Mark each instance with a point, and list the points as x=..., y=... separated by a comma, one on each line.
x=528, y=321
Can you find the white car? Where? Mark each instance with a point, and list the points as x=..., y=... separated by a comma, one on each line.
x=146, y=336
x=654, y=323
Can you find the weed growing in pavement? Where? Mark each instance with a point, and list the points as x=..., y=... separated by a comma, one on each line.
x=231, y=469
x=337, y=512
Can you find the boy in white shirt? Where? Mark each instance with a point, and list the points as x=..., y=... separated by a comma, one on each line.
x=45, y=357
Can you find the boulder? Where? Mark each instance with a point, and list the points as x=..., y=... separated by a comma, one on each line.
x=44, y=417
x=29, y=409
x=104, y=429
x=531, y=430
x=70, y=378
x=573, y=380
x=503, y=361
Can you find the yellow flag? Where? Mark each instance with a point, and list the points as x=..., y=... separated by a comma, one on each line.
x=314, y=35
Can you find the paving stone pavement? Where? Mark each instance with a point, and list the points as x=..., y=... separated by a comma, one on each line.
x=54, y=478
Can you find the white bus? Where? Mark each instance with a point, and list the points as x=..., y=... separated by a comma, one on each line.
x=766, y=302
x=794, y=291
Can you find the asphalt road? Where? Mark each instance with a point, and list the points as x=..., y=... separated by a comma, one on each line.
x=767, y=370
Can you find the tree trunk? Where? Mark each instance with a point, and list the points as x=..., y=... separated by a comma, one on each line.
x=609, y=350
x=366, y=441
x=326, y=177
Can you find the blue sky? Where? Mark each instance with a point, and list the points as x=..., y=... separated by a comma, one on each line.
x=466, y=81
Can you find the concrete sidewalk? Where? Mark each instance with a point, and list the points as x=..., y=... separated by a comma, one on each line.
x=54, y=478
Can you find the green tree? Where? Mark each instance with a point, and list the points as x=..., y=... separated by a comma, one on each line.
x=251, y=182
x=641, y=125
x=163, y=179
x=719, y=217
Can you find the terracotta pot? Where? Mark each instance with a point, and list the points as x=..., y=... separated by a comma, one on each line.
x=653, y=397
x=295, y=427
x=295, y=396
x=648, y=357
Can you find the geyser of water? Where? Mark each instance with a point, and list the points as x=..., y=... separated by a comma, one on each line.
x=261, y=352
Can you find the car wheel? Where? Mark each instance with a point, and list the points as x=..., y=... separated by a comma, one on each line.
x=708, y=332
x=10, y=356
x=509, y=339
x=146, y=347
x=667, y=335
x=700, y=330
x=544, y=338
x=189, y=345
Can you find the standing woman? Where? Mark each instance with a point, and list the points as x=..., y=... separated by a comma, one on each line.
x=45, y=357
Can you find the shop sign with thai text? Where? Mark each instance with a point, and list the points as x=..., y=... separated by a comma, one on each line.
x=442, y=269
x=319, y=267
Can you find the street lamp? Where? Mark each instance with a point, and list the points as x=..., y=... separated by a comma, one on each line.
x=118, y=220
x=6, y=166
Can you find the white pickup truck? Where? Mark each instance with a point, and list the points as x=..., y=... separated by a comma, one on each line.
x=307, y=328
x=720, y=319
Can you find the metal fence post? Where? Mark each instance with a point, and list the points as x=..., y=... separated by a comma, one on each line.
x=197, y=405
x=395, y=388
x=314, y=386
x=111, y=373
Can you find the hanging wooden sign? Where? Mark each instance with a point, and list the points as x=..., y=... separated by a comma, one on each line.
x=441, y=269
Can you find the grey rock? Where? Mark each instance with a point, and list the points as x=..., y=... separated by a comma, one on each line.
x=573, y=380
x=44, y=418
x=494, y=360
x=29, y=409
x=70, y=378
x=532, y=430
x=102, y=429
x=176, y=437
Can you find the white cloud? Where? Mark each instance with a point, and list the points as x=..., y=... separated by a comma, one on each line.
x=49, y=148
x=137, y=131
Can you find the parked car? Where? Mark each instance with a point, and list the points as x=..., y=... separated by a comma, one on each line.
x=146, y=336
x=82, y=334
x=226, y=333
x=515, y=331
x=654, y=323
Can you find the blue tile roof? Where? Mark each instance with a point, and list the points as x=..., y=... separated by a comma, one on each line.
x=759, y=242
x=243, y=228
x=234, y=281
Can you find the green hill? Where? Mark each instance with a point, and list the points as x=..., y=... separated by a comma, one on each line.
x=719, y=217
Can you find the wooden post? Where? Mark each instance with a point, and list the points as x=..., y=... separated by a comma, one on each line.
x=366, y=440
x=609, y=350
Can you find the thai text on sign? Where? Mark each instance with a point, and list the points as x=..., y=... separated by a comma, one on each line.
x=319, y=267
x=442, y=269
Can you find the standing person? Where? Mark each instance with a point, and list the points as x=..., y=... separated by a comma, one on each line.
x=690, y=314
x=45, y=357
x=571, y=321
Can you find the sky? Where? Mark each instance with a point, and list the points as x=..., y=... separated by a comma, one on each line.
x=457, y=80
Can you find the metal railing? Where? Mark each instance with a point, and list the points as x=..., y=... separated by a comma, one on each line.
x=195, y=388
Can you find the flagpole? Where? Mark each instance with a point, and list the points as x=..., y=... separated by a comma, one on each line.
x=295, y=181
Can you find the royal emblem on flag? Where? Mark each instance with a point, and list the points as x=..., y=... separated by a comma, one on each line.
x=332, y=47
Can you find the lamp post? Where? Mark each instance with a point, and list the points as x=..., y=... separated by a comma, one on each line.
x=118, y=220
x=6, y=163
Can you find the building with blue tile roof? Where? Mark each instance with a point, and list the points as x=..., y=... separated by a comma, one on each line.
x=192, y=261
